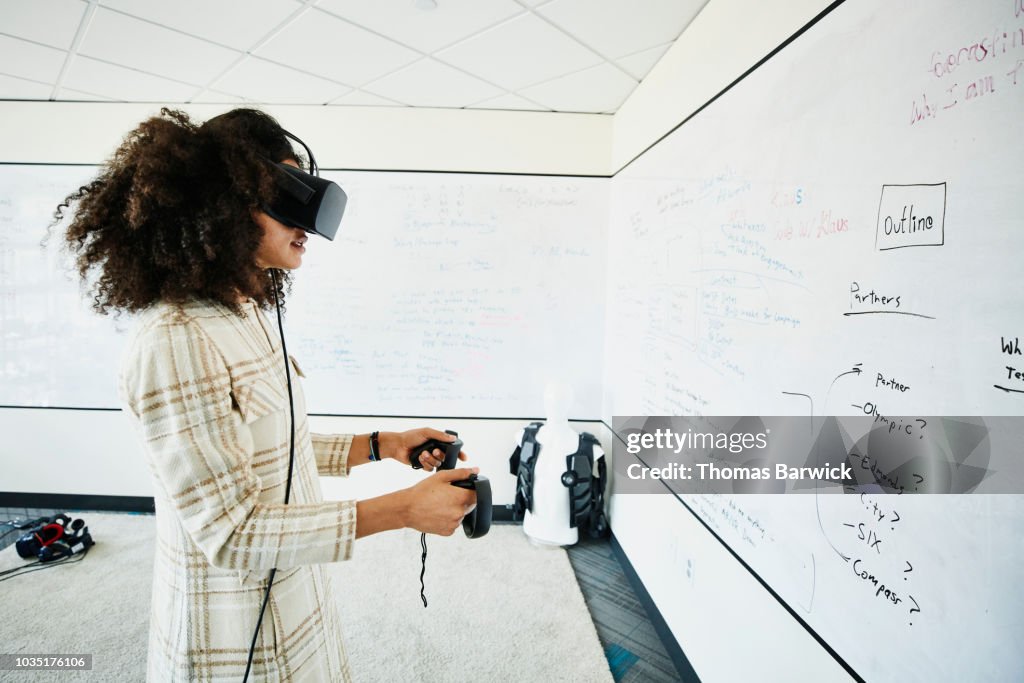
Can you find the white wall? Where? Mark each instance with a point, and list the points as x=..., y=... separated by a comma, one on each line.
x=390, y=138
x=722, y=42
x=728, y=625
x=92, y=452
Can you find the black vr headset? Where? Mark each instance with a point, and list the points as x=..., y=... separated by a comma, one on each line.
x=306, y=200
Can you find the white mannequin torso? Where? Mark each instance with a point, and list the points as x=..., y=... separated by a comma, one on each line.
x=548, y=522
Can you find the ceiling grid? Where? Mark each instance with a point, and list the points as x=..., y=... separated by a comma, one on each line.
x=541, y=55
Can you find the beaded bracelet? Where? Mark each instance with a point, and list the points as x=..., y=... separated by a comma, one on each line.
x=374, y=447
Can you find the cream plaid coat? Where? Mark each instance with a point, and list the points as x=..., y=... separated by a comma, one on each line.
x=207, y=393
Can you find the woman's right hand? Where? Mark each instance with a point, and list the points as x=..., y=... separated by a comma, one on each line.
x=437, y=507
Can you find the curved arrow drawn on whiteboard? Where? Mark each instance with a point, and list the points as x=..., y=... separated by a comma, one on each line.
x=855, y=371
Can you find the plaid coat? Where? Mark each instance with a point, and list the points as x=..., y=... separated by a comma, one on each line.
x=207, y=394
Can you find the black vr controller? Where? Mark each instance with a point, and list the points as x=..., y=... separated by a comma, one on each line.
x=478, y=522
x=451, y=451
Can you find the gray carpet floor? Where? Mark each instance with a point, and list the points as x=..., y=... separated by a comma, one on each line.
x=505, y=610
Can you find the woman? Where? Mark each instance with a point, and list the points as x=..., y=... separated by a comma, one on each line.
x=172, y=229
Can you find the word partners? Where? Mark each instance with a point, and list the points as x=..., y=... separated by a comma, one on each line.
x=911, y=216
x=864, y=302
x=871, y=298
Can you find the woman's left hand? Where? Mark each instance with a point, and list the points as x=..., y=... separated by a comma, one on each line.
x=399, y=445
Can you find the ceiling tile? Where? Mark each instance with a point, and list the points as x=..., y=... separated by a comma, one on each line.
x=119, y=83
x=215, y=97
x=124, y=40
x=51, y=22
x=322, y=44
x=509, y=101
x=639, y=64
x=490, y=54
x=615, y=28
x=359, y=98
x=73, y=95
x=599, y=89
x=428, y=83
x=27, y=60
x=262, y=81
x=228, y=22
x=427, y=31
x=19, y=89
x=520, y=52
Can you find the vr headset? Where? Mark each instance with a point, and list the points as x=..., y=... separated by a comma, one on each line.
x=306, y=200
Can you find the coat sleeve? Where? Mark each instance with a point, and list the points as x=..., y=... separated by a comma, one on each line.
x=176, y=387
x=331, y=451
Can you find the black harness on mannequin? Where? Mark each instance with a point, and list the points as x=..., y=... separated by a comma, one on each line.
x=521, y=465
x=586, y=486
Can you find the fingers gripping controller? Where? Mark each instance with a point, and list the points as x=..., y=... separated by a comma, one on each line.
x=451, y=452
x=478, y=521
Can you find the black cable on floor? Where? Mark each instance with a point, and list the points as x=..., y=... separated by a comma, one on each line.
x=36, y=566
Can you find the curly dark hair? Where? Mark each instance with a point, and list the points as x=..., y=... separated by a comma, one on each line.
x=169, y=216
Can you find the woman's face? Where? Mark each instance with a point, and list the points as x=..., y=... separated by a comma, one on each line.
x=281, y=247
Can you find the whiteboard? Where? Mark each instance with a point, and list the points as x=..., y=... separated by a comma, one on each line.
x=441, y=295
x=455, y=295
x=774, y=256
x=54, y=351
